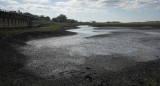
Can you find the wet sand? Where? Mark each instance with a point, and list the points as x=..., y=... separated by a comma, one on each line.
x=84, y=58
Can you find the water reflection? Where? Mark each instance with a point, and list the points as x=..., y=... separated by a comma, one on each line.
x=91, y=31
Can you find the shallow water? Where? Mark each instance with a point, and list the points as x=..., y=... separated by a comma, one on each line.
x=52, y=56
x=153, y=33
x=90, y=31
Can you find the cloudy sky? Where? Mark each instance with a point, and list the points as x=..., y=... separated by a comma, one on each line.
x=89, y=10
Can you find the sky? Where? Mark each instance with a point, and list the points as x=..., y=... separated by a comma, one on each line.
x=89, y=10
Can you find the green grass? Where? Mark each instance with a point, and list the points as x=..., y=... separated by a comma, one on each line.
x=52, y=27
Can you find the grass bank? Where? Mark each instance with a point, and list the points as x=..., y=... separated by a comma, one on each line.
x=7, y=33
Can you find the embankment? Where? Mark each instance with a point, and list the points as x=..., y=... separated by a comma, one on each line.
x=11, y=61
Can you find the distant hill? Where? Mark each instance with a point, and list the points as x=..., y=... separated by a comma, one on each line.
x=152, y=21
x=147, y=22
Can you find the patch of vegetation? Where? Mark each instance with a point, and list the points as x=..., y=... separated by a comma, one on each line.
x=50, y=28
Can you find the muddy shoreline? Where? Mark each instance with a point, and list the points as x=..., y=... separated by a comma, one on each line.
x=144, y=73
x=11, y=61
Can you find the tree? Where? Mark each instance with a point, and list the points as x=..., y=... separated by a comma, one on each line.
x=62, y=18
x=42, y=16
x=93, y=22
x=54, y=20
x=71, y=21
x=28, y=14
x=47, y=18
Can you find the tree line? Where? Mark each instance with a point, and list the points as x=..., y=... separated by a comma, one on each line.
x=59, y=19
x=47, y=18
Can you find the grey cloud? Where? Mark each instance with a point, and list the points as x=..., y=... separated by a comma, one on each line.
x=124, y=4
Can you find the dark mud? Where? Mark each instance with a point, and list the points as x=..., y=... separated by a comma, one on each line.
x=12, y=61
x=37, y=35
